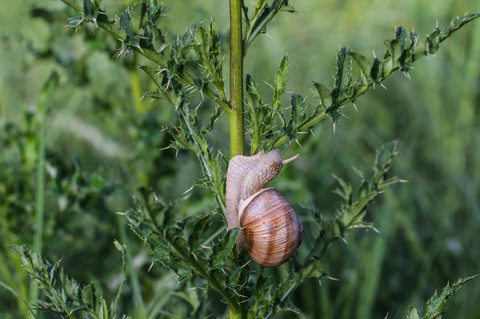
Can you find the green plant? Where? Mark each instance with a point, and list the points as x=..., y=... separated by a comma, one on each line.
x=187, y=70
x=65, y=296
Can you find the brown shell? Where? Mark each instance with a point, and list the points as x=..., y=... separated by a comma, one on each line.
x=273, y=230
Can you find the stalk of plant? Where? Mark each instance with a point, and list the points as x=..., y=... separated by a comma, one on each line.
x=40, y=185
x=236, y=79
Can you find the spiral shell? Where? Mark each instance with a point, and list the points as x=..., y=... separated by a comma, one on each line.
x=273, y=230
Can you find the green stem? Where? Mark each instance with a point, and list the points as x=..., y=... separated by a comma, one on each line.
x=130, y=269
x=237, y=134
x=236, y=313
x=40, y=184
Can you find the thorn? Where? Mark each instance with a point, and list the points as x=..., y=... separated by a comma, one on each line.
x=355, y=106
x=331, y=278
x=200, y=103
x=407, y=75
x=334, y=127
x=164, y=148
x=151, y=266
x=187, y=190
x=436, y=24
x=298, y=143
x=383, y=86
x=374, y=55
x=311, y=131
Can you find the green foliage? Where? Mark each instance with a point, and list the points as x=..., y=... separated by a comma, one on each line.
x=181, y=246
x=262, y=14
x=401, y=52
x=355, y=202
x=437, y=304
x=186, y=71
x=64, y=295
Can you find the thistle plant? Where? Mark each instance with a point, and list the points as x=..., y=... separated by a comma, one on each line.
x=186, y=71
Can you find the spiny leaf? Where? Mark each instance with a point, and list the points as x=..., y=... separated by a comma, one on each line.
x=218, y=175
x=125, y=25
x=437, y=304
x=194, y=227
x=401, y=51
x=88, y=296
x=280, y=82
x=208, y=48
x=298, y=112
x=324, y=95
x=256, y=111
x=262, y=15
x=354, y=208
x=221, y=251
x=457, y=23
x=62, y=294
x=343, y=77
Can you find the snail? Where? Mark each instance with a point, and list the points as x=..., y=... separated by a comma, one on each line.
x=271, y=230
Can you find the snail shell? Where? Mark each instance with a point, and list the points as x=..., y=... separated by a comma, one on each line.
x=273, y=230
x=246, y=177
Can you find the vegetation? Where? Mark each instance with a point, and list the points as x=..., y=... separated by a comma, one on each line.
x=108, y=123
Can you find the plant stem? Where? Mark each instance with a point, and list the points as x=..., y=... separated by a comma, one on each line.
x=130, y=268
x=236, y=80
x=40, y=184
x=237, y=135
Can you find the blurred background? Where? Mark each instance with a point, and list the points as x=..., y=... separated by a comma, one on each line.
x=103, y=142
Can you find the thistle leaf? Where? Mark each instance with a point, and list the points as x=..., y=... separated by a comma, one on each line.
x=343, y=77
x=324, y=94
x=280, y=82
x=437, y=304
x=225, y=246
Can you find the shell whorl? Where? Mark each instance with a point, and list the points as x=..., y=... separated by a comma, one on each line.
x=273, y=230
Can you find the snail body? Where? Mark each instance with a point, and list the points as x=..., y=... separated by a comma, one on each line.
x=271, y=230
